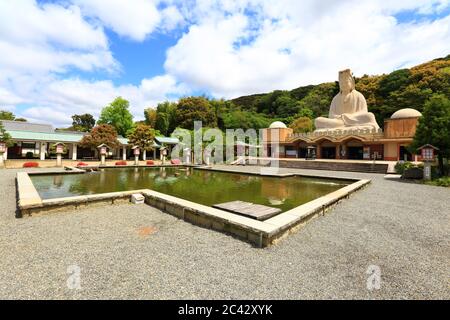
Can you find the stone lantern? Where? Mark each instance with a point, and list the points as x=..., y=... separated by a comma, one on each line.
x=103, y=150
x=428, y=153
x=163, y=151
x=2, y=151
x=187, y=155
x=136, y=152
x=59, y=146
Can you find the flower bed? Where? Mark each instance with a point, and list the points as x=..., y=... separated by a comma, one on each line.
x=150, y=163
x=81, y=164
x=175, y=161
x=121, y=163
x=31, y=165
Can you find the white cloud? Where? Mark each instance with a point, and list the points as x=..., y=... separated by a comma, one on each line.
x=41, y=47
x=24, y=21
x=171, y=18
x=228, y=48
x=132, y=18
x=57, y=100
x=37, y=39
x=284, y=44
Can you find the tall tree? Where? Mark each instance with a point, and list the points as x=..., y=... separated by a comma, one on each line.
x=5, y=136
x=162, y=123
x=165, y=117
x=101, y=134
x=83, y=122
x=239, y=119
x=302, y=124
x=117, y=115
x=143, y=136
x=8, y=115
x=286, y=106
x=434, y=127
x=150, y=117
x=192, y=109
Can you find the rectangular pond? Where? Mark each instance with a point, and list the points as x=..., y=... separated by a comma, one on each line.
x=200, y=186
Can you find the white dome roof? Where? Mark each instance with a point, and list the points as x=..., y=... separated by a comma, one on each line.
x=406, y=113
x=277, y=125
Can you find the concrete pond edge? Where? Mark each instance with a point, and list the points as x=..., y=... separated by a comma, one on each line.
x=259, y=233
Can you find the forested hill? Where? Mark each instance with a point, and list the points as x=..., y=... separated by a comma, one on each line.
x=385, y=94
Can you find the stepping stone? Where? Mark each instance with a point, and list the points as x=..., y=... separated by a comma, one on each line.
x=248, y=209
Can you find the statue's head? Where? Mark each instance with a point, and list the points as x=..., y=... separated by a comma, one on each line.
x=346, y=81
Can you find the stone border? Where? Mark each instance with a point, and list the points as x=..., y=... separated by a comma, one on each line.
x=28, y=196
x=277, y=175
x=259, y=233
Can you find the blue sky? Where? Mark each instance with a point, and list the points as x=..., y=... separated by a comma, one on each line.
x=74, y=56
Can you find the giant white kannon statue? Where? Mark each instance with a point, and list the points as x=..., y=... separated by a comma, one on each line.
x=348, y=108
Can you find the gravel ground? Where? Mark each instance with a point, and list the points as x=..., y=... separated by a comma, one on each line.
x=135, y=251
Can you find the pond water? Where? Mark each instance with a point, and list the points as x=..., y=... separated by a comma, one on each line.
x=200, y=186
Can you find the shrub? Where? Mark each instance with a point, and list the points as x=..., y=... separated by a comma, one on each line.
x=81, y=164
x=29, y=155
x=121, y=163
x=442, y=182
x=31, y=165
x=401, y=166
x=150, y=162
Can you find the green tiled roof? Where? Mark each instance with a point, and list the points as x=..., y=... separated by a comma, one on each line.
x=167, y=140
x=51, y=136
x=45, y=136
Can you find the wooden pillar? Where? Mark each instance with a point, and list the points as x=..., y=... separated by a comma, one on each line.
x=42, y=149
x=318, y=151
x=74, y=151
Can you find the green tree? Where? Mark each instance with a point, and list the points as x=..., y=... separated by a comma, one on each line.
x=150, y=115
x=434, y=127
x=239, y=119
x=100, y=134
x=286, y=106
x=83, y=122
x=6, y=115
x=394, y=82
x=162, y=123
x=305, y=112
x=117, y=115
x=302, y=124
x=319, y=99
x=165, y=117
x=221, y=108
x=5, y=136
x=192, y=109
x=142, y=136
x=266, y=104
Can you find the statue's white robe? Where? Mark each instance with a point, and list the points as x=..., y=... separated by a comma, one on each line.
x=348, y=111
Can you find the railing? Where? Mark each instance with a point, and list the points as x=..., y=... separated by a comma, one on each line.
x=336, y=133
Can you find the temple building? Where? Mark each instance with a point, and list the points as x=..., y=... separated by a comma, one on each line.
x=347, y=143
x=35, y=141
x=349, y=132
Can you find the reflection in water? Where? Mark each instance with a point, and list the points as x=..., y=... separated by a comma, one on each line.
x=205, y=187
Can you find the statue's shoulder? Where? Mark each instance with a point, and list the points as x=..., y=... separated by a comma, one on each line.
x=336, y=97
x=358, y=94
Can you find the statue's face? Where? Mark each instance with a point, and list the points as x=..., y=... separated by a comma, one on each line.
x=345, y=83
